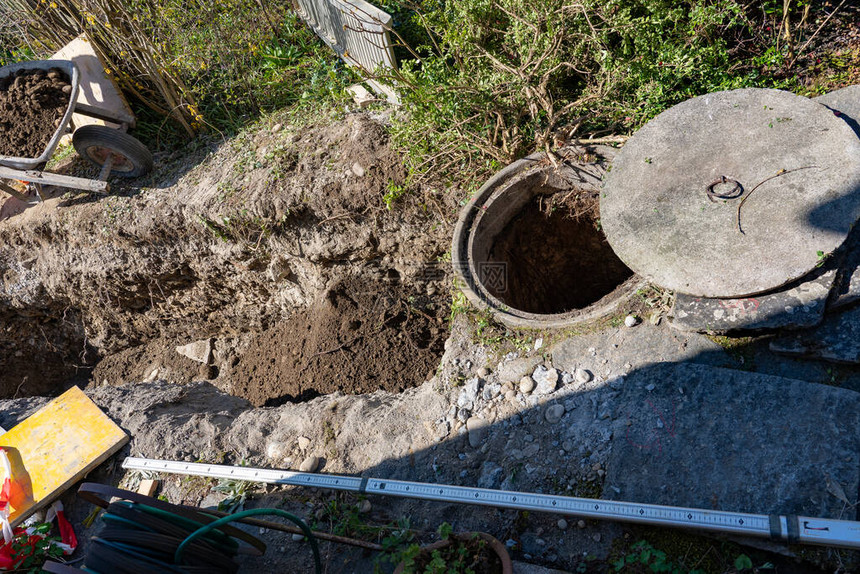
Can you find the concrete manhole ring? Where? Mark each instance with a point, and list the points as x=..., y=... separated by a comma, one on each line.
x=802, y=161
x=845, y=104
x=502, y=217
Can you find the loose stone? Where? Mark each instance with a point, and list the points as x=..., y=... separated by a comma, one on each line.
x=631, y=320
x=310, y=464
x=554, y=413
x=463, y=415
x=616, y=383
x=527, y=384
x=583, y=376
x=562, y=524
x=546, y=380
x=491, y=475
x=477, y=428
x=277, y=450
x=469, y=394
x=491, y=391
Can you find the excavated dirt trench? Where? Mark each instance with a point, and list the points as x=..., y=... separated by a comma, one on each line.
x=271, y=247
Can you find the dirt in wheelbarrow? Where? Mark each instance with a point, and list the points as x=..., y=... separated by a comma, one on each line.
x=32, y=104
x=361, y=336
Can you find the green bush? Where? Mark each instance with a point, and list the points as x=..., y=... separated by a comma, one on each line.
x=13, y=48
x=240, y=58
x=11, y=54
x=491, y=80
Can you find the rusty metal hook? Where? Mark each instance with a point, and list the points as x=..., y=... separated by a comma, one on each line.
x=736, y=192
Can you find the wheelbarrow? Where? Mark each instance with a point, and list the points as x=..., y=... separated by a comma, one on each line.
x=113, y=150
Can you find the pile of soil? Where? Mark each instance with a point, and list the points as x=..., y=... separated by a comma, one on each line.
x=32, y=104
x=556, y=257
x=350, y=164
x=361, y=336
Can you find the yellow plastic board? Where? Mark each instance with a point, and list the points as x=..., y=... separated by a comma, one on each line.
x=55, y=447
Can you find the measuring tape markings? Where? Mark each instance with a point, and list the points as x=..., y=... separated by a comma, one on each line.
x=788, y=529
x=591, y=508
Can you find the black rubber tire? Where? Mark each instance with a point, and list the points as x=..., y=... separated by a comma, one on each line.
x=91, y=141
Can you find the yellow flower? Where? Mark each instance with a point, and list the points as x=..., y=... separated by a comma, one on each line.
x=53, y=4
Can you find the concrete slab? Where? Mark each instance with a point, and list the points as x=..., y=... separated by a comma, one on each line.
x=611, y=354
x=799, y=305
x=694, y=435
x=847, y=288
x=837, y=340
x=845, y=103
x=662, y=223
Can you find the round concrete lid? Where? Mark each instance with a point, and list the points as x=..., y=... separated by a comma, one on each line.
x=659, y=219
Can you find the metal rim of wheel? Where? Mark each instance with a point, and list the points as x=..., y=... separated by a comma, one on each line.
x=129, y=157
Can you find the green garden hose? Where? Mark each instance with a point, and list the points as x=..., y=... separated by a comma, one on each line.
x=177, y=558
x=146, y=535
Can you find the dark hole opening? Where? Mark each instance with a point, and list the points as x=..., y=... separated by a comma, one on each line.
x=556, y=257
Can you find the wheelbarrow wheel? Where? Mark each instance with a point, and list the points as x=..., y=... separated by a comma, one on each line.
x=130, y=158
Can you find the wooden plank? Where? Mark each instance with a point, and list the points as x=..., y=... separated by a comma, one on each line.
x=55, y=447
x=97, y=88
x=47, y=178
x=147, y=487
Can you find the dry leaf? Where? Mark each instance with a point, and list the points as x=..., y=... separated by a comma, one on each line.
x=835, y=489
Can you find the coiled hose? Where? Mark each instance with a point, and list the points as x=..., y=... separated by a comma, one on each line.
x=142, y=535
